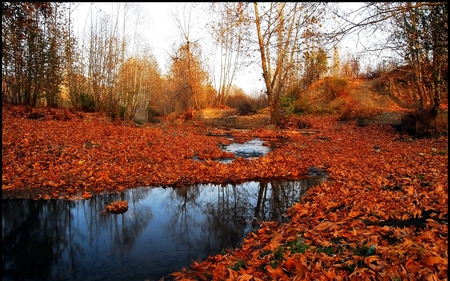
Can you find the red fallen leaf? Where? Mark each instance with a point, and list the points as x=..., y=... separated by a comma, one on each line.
x=324, y=225
x=86, y=195
x=276, y=273
x=245, y=277
x=118, y=207
x=368, y=260
x=289, y=264
x=412, y=265
x=331, y=274
x=301, y=269
x=432, y=261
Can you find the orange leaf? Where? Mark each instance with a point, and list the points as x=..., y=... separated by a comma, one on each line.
x=275, y=273
x=432, y=261
x=368, y=260
x=245, y=277
x=86, y=195
x=331, y=274
x=289, y=264
x=302, y=269
x=324, y=225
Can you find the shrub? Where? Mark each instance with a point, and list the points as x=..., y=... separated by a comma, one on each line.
x=335, y=87
x=122, y=110
x=86, y=102
x=301, y=106
x=287, y=105
x=246, y=109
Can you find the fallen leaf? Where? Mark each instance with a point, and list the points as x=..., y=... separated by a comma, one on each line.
x=324, y=225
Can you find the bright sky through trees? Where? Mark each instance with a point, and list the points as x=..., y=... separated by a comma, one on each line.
x=153, y=25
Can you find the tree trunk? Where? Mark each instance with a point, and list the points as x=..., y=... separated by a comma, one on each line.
x=274, y=115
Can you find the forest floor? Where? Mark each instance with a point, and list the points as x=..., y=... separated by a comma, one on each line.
x=381, y=215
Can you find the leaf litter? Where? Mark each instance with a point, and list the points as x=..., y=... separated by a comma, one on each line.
x=381, y=215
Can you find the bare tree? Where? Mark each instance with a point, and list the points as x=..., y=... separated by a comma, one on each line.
x=282, y=29
x=418, y=34
x=422, y=40
x=229, y=27
x=191, y=79
x=140, y=83
x=350, y=66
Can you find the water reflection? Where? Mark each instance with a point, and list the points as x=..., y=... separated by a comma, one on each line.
x=250, y=149
x=163, y=230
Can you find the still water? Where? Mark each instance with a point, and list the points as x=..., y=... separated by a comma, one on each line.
x=163, y=230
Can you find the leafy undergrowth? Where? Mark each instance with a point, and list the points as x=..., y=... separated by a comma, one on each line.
x=382, y=215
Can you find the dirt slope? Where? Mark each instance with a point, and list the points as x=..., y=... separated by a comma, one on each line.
x=368, y=95
x=336, y=95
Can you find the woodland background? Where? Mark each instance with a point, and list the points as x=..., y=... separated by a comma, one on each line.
x=294, y=45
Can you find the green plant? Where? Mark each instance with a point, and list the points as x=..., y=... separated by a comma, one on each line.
x=278, y=255
x=86, y=102
x=287, y=104
x=265, y=253
x=298, y=246
x=277, y=258
x=122, y=110
x=327, y=250
x=239, y=264
x=365, y=251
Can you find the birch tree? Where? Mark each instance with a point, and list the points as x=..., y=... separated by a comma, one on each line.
x=190, y=81
x=281, y=30
x=229, y=31
x=140, y=83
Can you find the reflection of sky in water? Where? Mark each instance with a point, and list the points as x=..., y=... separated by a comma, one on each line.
x=163, y=230
x=251, y=148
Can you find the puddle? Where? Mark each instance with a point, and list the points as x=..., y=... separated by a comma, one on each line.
x=250, y=149
x=163, y=230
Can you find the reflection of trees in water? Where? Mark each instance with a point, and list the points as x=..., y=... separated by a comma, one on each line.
x=207, y=218
x=276, y=196
x=237, y=205
x=123, y=229
x=41, y=236
x=228, y=217
x=182, y=224
x=33, y=236
x=229, y=214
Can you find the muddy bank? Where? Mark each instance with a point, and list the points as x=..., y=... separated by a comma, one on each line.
x=226, y=119
x=238, y=122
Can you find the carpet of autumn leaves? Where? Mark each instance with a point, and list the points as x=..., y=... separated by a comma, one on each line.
x=381, y=215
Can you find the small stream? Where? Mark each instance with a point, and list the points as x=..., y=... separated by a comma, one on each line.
x=163, y=230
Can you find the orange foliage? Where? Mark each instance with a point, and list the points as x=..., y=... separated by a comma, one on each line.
x=381, y=215
x=118, y=207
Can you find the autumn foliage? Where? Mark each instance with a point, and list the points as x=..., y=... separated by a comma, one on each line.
x=117, y=207
x=381, y=215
